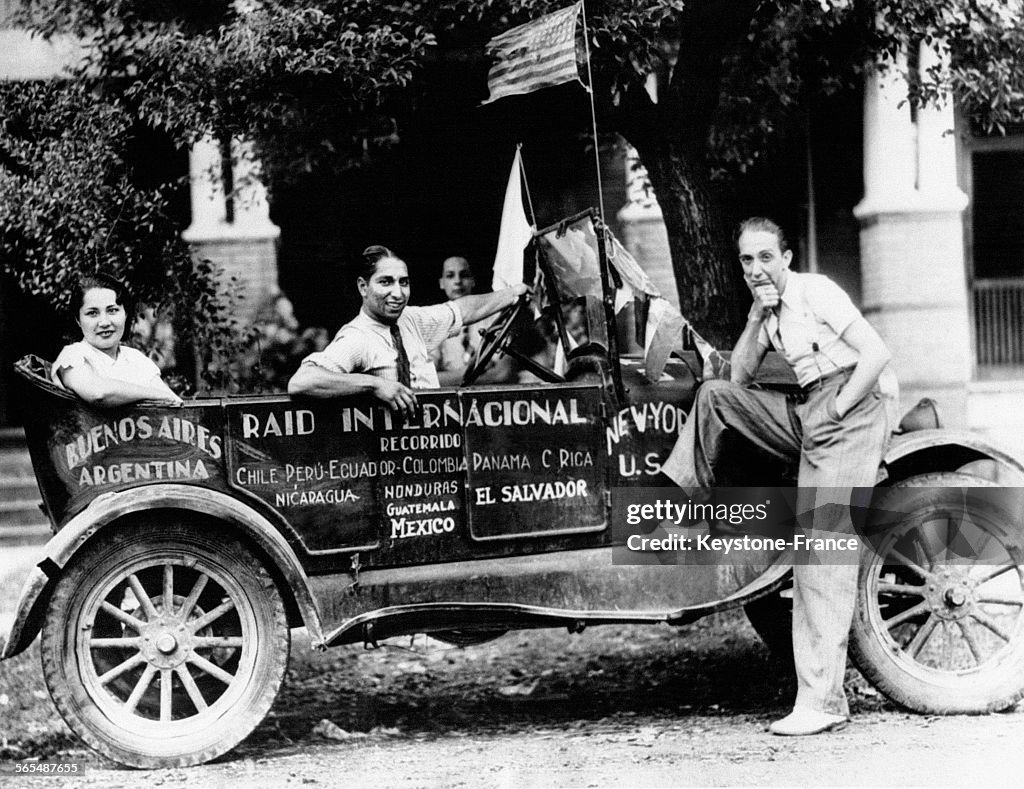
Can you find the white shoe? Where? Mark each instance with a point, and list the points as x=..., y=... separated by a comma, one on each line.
x=803, y=721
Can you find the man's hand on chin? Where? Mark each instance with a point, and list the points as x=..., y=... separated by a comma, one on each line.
x=766, y=298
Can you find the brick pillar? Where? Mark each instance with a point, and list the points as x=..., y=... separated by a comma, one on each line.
x=245, y=247
x=914, y=284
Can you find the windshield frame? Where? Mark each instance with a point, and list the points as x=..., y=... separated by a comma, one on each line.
x=609, y=281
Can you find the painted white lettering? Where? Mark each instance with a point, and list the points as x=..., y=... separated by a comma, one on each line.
x=544, y=491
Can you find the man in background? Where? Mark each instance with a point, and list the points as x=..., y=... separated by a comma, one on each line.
x=453, y=356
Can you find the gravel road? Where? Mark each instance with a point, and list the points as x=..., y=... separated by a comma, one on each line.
x=613, y=707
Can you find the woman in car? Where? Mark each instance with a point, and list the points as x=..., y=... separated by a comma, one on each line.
x=99, y=368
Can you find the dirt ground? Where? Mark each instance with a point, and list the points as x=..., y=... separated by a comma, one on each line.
x=613, y=707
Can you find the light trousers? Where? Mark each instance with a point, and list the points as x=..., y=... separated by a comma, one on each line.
x=834, y=456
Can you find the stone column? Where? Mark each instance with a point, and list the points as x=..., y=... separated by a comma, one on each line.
x=913, y=273
x=206, y=184
x=246, y=246
x=643, y=229
x=890, y=170
x=641, y=220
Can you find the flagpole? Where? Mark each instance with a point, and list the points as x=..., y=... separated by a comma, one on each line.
x=593, y=113
x=526, y=183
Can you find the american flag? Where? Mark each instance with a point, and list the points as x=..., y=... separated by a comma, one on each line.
x=539, y=54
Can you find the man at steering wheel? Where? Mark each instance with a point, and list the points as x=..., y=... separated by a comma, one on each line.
x=385, y=349
x=456, y=354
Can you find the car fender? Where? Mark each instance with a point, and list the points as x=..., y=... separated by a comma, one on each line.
x=109, y=507
x=942, y=449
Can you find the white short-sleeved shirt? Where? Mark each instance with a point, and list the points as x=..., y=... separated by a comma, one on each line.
x=816, y=311
x=364, y=344
x=130, y=366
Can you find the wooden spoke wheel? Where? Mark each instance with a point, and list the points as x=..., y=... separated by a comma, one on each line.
x=940, y=620
x=164, y=645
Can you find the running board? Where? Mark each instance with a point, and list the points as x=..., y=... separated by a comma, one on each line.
x=400, y=620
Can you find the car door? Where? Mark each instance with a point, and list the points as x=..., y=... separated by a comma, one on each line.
x=535, y=462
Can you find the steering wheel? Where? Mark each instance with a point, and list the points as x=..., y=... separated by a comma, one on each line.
x=494, y=338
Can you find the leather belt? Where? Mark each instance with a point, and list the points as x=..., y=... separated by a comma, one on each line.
x=827, y=378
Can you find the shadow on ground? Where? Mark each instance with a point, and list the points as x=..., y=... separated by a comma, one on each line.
x=539, y=679
x=715, y=671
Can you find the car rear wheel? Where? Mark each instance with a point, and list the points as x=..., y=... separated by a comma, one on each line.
x=939, y=626
x=164, y=644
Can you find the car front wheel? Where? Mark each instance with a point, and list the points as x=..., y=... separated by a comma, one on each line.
x=164, y=643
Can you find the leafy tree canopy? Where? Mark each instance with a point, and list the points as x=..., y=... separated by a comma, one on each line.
x=330, y=82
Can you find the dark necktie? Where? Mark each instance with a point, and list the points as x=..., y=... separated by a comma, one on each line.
x=781, y=345
x=404, y=376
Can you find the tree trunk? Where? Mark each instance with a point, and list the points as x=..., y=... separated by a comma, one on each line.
x=704, y=263
x=671, y=137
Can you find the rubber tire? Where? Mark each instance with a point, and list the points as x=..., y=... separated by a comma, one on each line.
x=262, y=656
x=997, y=684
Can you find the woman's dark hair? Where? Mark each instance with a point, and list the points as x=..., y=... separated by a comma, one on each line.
x=761, y=224
x=100, y=279
x=373, y=255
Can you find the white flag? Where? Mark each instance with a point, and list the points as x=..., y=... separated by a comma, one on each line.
x=664, y=334
x=515, y=232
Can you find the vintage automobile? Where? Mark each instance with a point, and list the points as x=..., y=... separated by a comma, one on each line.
x=189, y=541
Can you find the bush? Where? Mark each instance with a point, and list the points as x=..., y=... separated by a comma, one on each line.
x=77, y=194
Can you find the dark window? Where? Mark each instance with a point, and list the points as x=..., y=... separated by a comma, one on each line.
x=998, y=214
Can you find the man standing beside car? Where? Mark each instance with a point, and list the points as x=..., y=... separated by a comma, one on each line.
x=838, y=434
x=385, y=349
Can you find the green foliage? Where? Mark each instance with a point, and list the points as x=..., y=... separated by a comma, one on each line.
x=329, y=83
x=67, y=202
x=986, y=47
x=280, y=345
x=311, y=80
x=71, y=202
x=326, y=82
x=256, y=74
